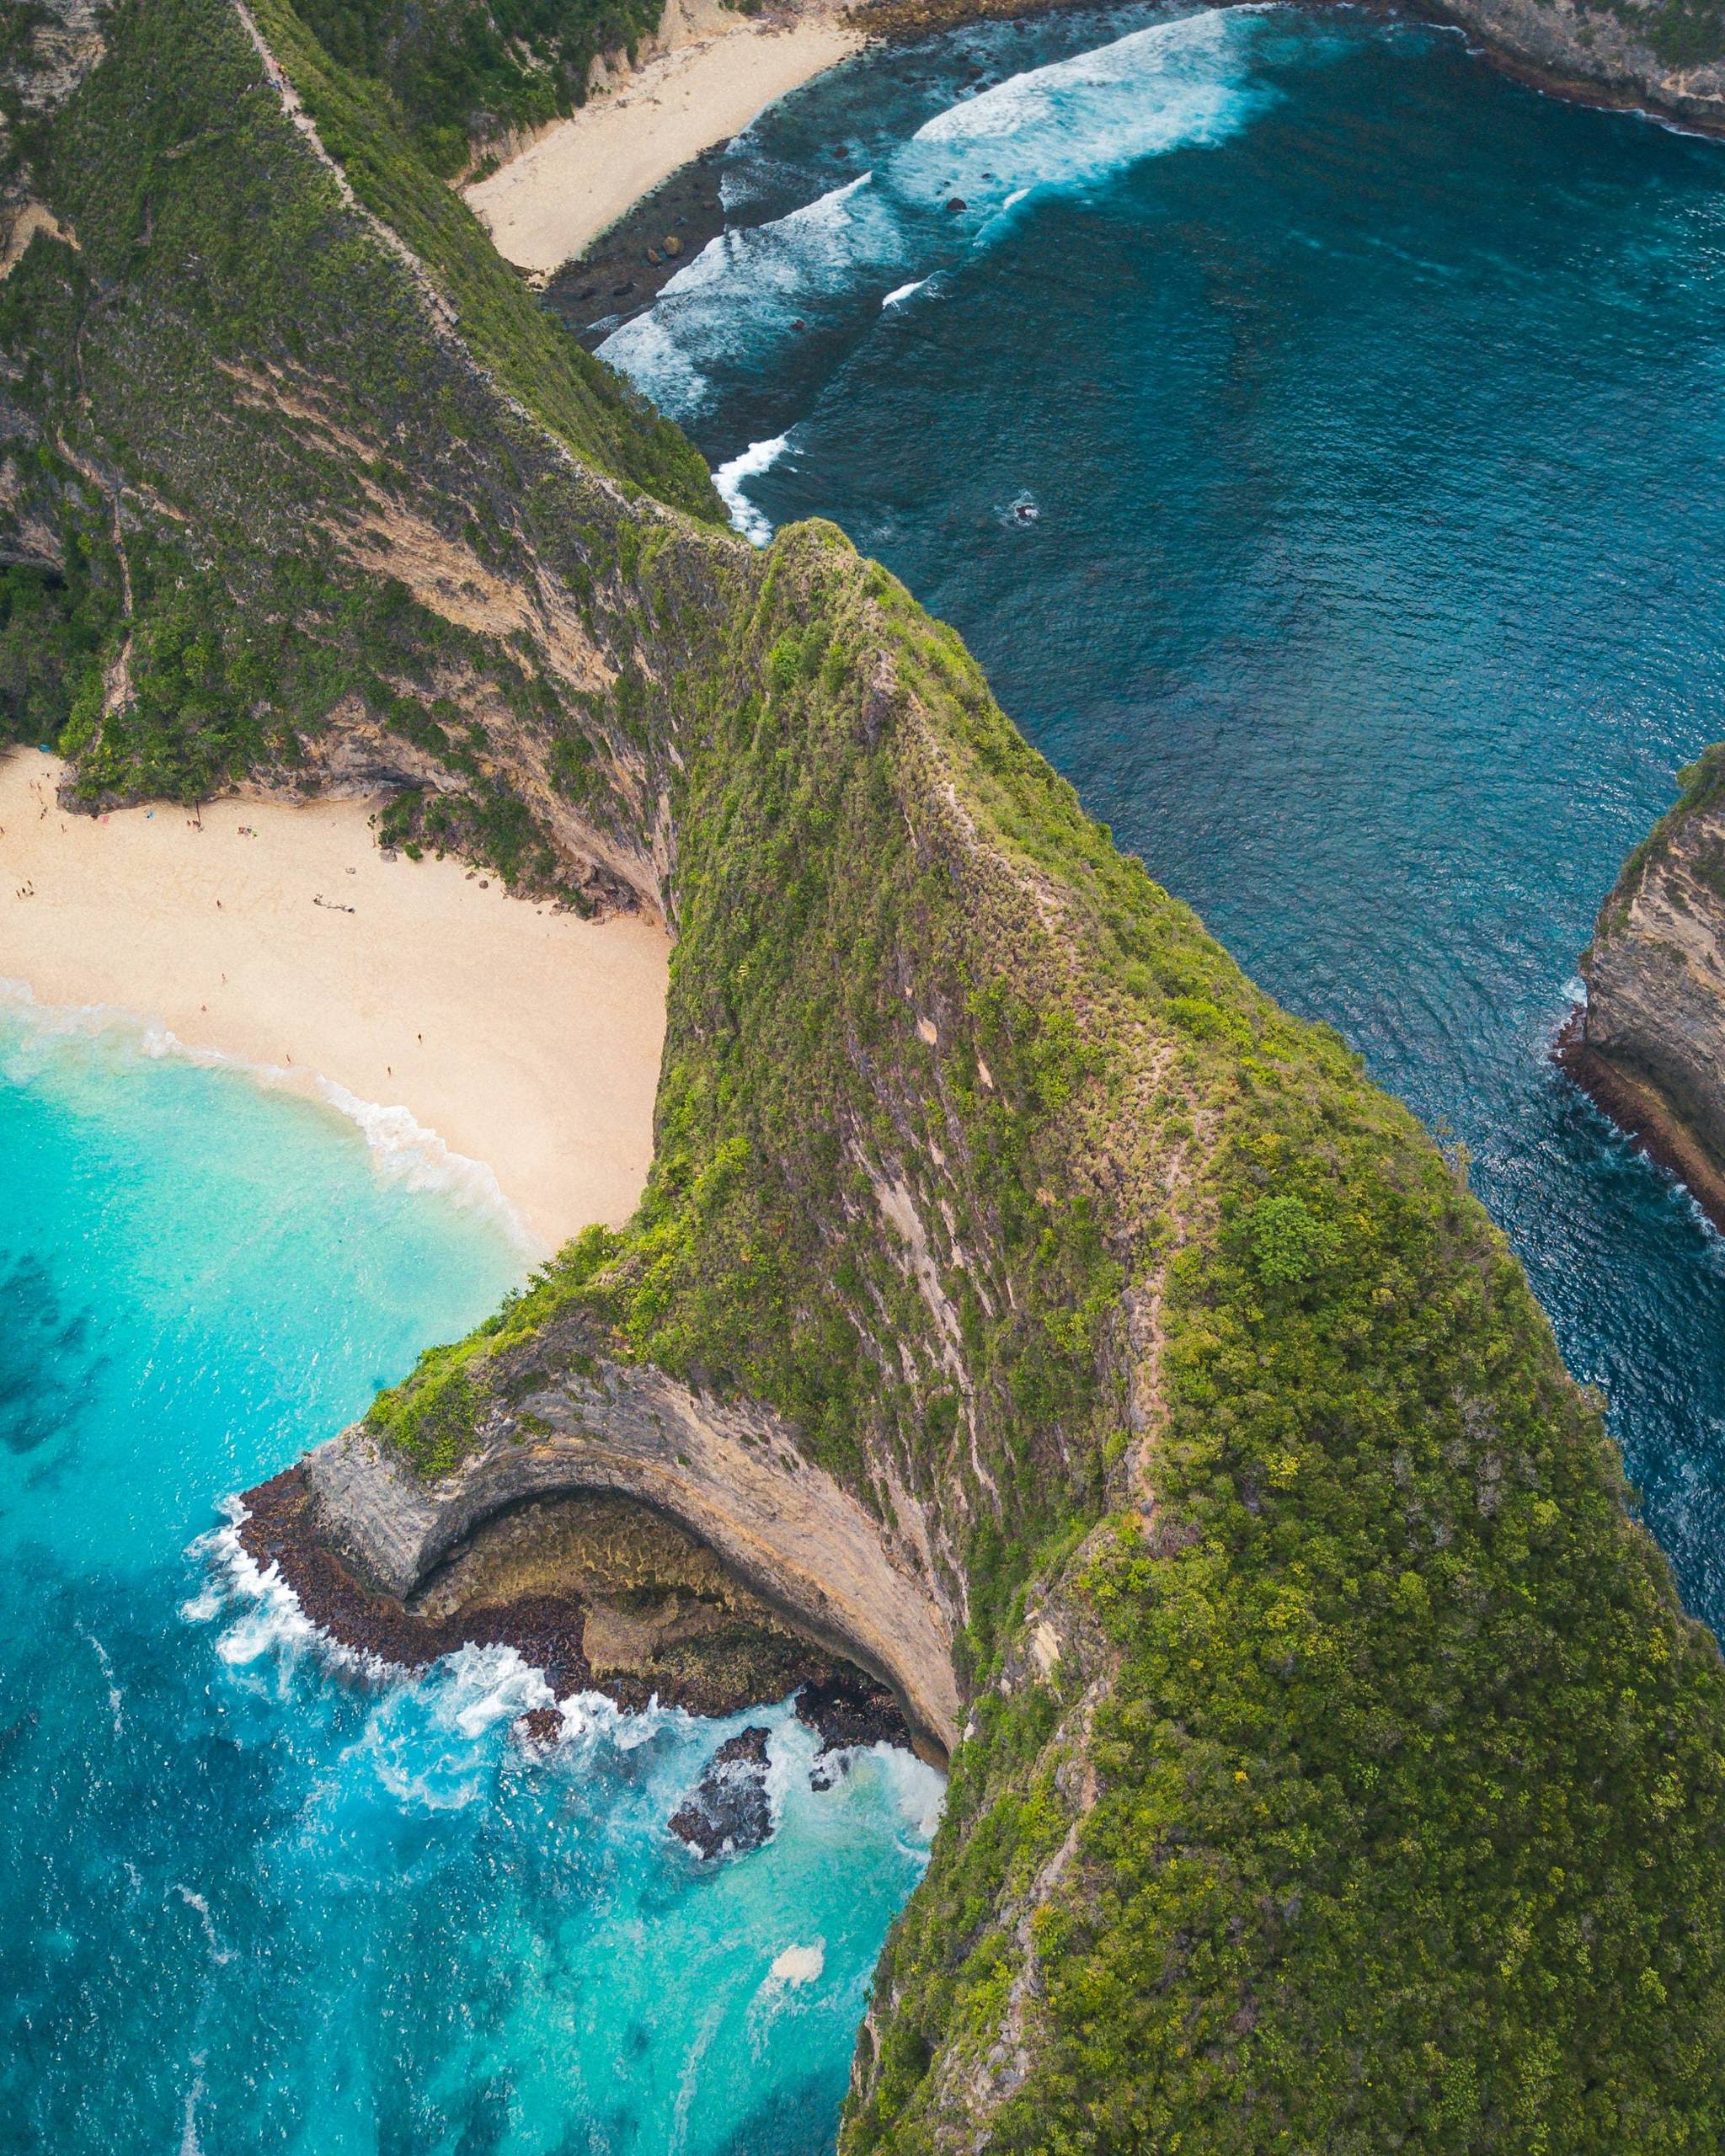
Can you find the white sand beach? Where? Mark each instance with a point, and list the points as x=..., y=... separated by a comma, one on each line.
x=526, y=1038
x=543, y=207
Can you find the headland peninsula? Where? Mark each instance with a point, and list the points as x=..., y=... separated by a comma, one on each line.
x=1333, y=1765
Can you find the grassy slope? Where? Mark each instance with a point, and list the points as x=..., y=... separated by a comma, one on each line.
x=230, y=371
x=463, y=71
x=1406, y=1769
x=1373, y=1796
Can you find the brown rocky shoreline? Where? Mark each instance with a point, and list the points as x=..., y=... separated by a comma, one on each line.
x=754, y=1660
x=1641, y=1112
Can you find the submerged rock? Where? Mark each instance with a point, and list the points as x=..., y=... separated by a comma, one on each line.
x=727, y=1812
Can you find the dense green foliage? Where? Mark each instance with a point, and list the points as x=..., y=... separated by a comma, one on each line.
x=1411, y=1801
x=239, y=354
x=1682, y=33
x=589, y=409
x=51, y=640
x=1406, y=1800
x=463, y=71
x=1341, y=1776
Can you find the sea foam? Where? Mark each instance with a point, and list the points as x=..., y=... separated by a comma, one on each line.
x=403, y=1151
x=758, y=457
x=940, y=194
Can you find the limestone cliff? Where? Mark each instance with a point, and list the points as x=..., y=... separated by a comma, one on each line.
x=1668, y=56
x=1019, y=1294
x=1650, y=1042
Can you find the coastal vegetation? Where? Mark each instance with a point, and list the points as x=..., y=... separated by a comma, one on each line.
x=1341, y=1773
x=462, y=75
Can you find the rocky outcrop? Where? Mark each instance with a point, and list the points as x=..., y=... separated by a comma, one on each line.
x=1664, y=55
x=1649, y=1042
x=728, y=1812
x=730, y=1473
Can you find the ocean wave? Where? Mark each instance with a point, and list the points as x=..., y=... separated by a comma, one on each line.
x=940, y=194
x=403, y=1151
x=261, y=1614
x=406, y=1152
x=758, y=457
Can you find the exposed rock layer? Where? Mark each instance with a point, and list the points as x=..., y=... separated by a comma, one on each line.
x=1650, y=1042
x=730, y=1473
x=600, y=1593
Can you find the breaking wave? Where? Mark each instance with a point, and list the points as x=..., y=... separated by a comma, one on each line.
x=835, y=265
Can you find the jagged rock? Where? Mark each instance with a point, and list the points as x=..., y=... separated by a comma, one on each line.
x=1649, y=1045
x=847, y=1712
x=728, y=1812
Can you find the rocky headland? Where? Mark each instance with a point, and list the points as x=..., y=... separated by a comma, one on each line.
x=1022, y=1306
x=1649, y=1041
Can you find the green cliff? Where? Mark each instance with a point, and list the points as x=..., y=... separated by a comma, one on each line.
x=1337, y=1772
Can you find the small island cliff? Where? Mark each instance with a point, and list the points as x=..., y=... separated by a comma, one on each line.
x=1649, y=1041
x=1335, y=1766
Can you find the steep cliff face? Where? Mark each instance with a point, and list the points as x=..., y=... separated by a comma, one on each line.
x=1667, y=55
x=1335, y=1769
x=311, y=488
x=1651, y=1041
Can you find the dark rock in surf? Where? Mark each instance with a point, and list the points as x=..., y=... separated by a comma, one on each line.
x=727, y=1812
x=848, y=1712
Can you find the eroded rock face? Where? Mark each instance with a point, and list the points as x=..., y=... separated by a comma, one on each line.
x=1650, y=1045
x=1645, y=54
x=727, y=1472
x=599, y=1593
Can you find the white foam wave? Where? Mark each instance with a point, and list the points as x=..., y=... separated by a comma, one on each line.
x=940, y=194
x=114, y=1692
x=798, y=1965
x=432, y=1744
x=403, y=1151
x=758, y=457
x=189, y=2145
x=219, y=1954
x=263, y=1617
x=1172, y=85
x=918, y=1791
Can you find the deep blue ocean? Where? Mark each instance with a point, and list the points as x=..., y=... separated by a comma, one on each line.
x=1320, y=440
x=253, y=1900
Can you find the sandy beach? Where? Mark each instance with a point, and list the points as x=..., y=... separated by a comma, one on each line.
x=544, y=207
x=526, y=1039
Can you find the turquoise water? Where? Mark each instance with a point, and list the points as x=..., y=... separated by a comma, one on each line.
x=249, y=1900
x=1322, y=441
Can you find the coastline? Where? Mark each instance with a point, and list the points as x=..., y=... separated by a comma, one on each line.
x=1641, y=1112
x=279, y=936
x=606, y=206
x=546, y=206
x=550, y=1622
